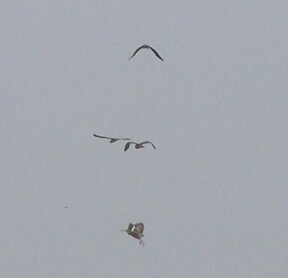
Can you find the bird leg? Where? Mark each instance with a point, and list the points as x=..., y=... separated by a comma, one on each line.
x=141, y=242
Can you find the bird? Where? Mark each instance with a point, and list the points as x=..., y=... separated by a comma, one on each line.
x=111, y=140
x=147, y=47
x=136, y=231
x=138, y=145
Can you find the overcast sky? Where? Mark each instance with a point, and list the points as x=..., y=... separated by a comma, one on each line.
x=213, y=196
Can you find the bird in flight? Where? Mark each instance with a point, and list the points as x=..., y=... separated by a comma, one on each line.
x=136, y=230
x=147, y=47
x=138, y=145
x=111, y=140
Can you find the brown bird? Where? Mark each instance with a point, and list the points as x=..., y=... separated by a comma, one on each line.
x=138, y=145
x=147, y=47
x=111, y=140
x=136, y=230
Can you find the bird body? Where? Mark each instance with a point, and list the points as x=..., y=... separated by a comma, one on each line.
x=138, y=145
x=136, y=231
x=146, y=46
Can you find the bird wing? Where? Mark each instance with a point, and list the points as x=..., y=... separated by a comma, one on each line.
x=112, y=140
x=156, y=53
x=99, y=136
x=135, y=52
x=124, y=138
x=139, y=228
x=128, y=145
x=148, y=142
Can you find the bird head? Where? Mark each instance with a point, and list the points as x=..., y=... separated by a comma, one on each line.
x=130, y=226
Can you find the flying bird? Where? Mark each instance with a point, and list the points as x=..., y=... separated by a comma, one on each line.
x=136, y=230
x=138, y=145
x=147, y=47
x=111, y=140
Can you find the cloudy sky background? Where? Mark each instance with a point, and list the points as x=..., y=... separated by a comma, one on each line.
x=213, y=196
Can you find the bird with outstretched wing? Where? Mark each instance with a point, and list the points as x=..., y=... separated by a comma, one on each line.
x=138, y=145
x=147, y=47
x=111, y=139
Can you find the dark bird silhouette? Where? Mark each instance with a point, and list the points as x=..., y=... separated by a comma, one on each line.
x=136, y=231
x=138, y=145
x=111, y=140
x=147, y=47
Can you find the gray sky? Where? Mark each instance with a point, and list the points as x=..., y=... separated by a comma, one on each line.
x=213, y=197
